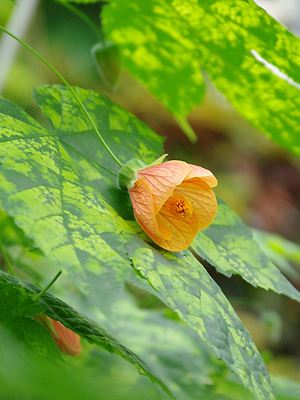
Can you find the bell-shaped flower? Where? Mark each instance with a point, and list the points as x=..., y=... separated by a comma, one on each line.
x=173, y=201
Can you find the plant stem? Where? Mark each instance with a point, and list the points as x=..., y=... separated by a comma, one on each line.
x=83, y=17
x=38, y=295
x=8, y=263
x=72, y=90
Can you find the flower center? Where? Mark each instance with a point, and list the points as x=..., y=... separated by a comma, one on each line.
x=178, y=206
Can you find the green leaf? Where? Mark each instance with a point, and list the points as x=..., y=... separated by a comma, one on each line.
x=18, y=309
x=282, y=252
x=228, y=244
x=60, y=311
x=61, y=189
x=166, y=43
x=107, y=62
x=25, y=376
x=15, y=301
x=72, y=182
x=286, y=389
x=185, y=286
x=174, y=351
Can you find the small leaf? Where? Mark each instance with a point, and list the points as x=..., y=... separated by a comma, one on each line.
x=228, y=244
x=284, y=254
x=107, y=61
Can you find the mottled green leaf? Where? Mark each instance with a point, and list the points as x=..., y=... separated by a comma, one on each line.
x=166, y=43
x=174, y=352
x=185, y=286
x=228, y=244
x=61, y=181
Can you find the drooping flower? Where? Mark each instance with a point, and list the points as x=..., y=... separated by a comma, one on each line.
x=67, y=340
x=173, y=201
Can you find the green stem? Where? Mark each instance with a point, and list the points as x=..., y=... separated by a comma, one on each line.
x=83, y=17
x=7, y=260
x=77, y=98
x=40, y=294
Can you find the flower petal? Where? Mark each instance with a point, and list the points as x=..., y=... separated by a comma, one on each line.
x=203, y=173
x=163, y=179
x=173, y=201
x=202, y=199
x=183, y=231
x=67, y=340
x=143, y=207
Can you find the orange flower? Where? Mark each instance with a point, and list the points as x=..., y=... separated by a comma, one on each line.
x=173, y=201
x=67, y=340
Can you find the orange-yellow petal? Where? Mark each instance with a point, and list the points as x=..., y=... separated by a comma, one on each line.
x=203, y=173
x=143, y=207
x=162, y=179
x=173, y=201
x=67, y=340
x=202, y=198
x=179, y=216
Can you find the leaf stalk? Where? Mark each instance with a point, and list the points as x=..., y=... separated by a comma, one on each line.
x=72, y=90
x=40, y=294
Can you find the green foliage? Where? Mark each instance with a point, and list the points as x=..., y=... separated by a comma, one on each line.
x=20, y=297
x=25, y=376
x=18, y=309
x=61, y=188
x=54, y=181
x=166, y=44
x=229, y=245
x=174, y=353
x=107, y=62
x=183, y=284
x=285, y=254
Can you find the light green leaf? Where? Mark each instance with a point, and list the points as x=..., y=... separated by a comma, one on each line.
x=282, y=252
x=228, y=244
x=185, y=286
x=25, y=376
x=166, y=43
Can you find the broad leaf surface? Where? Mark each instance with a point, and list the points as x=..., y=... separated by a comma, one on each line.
x=166, y=43
x=228, y=244
x=186, y=287
x=61, y=188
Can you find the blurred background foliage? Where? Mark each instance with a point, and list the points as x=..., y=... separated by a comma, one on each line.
x=256, y=177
